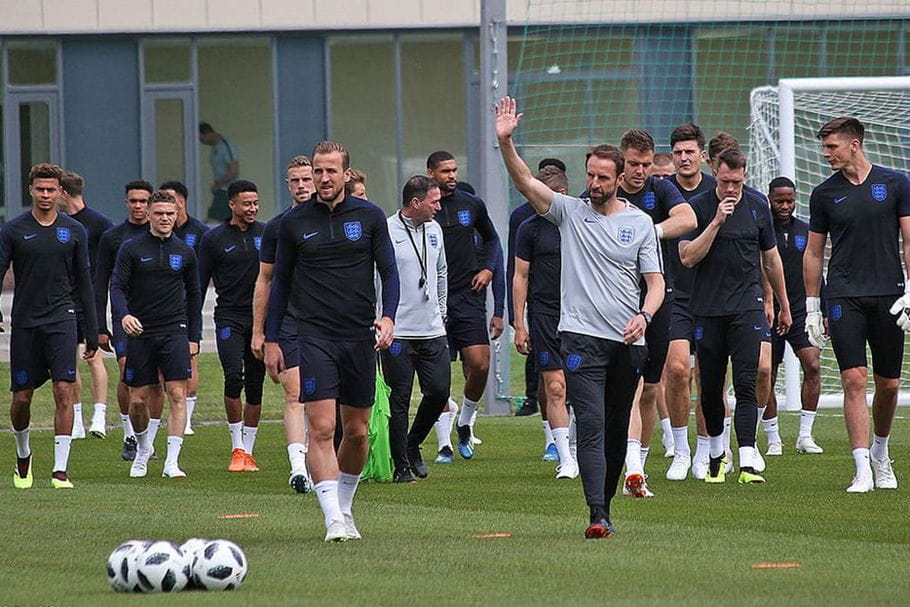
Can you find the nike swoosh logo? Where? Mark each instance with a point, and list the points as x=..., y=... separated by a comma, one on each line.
x=590, y=220
x=29, y=236
x=230, y=248
x=399, y=241
x=310, y=235
x=145, y=259
x=756, y=327
x=840, y=200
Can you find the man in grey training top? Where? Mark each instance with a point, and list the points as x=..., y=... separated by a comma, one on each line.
x=608, y=246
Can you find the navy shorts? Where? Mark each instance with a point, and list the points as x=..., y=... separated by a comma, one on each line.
x=682, y=323
x=41, y=353
x=118, y=339
x=146, y=356
x=337, y=369
x=466, y=324
x=657, y=336
x=545, y=344
x=242, y=370
x=853, y=321
x=797, y=336
x=287, y=341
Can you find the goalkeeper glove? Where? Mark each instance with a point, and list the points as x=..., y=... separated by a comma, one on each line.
x=901, y=309
x=815, y=324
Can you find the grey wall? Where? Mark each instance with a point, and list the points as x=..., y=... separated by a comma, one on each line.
x=101, y=118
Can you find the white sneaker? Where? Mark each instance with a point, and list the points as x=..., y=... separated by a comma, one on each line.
x=679, y=467
x=78, y=429
x=139, y=467
x=647, y=492
x=336, y=532
x=188, y=430
x=758, y=463
x=669, y=448
x=567, y=470
x=173, y=471
x=700, y=469
x=350, y=529
x=98, y=429
x=775, y=449
x=474, y=439
x=807, y=444
x=883, y=473
x=861, y=484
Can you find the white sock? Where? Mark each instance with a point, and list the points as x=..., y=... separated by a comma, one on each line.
x=879, y=449
x=561, y=439
x=760, y=417
x=100, y=409
x=327, y=493
x=23, y=449
x=190, y=407
x=633, y=457
x=61, y=452
x=127, y=426
x=77, y=415
x=473, y=419
x=746, y=457
x=681, y=440
x=861, y=458
x=716, y=448
x=249, y=438
x=154, y=424
x=703, y=448
x=728, y=421
x=772, y=429
x=573, y=435
x=174, y=444
x=644, y=457
x=347, y=487
x=143, y=444
x=806, y=419
x=236, y=430
x=443, y=426
x=297, y=457
x=665, y=427
x=547, y=433
x=468, y=409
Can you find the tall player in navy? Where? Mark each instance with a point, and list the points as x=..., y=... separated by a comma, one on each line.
x=49, y=254
x=330, y=250
x=864, y=208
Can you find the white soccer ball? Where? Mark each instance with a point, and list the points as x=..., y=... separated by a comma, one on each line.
x=221, y=565
x=161, y=567
x=191, y=549
x=120, y=564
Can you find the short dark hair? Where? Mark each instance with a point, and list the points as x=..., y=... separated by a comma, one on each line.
x=138, y=184
x=356, y=177
x=732, y=157
x=552, y=162
x=177, y=186
x=638, y=140
x=161, y=196
x=329, y=147
x=845, y=125
x=240, y=186
x=553, y=178
x=663, y=159
x=464, y=186
x=73, y=184
x=417, y=187
x=608, y=152
x=781, y=182
x=205, y=128
x=45, y=170
x=688, y=132
x=720, y=142
x=434, y=159
x=299, y=161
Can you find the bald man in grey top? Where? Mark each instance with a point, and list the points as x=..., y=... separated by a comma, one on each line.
x=608, y=247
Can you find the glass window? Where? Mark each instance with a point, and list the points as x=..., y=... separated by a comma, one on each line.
x=235, y=98
x=363, y=111
x=32, y=62
x=167, y=60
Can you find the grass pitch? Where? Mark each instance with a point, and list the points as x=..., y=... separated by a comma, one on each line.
x=692, y=544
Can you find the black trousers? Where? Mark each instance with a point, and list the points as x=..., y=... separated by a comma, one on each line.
x=429, y=358
x=531, y=381
x=601, y=378
x=738, y=338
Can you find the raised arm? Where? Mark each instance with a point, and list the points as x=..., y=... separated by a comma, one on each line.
x=538, y=194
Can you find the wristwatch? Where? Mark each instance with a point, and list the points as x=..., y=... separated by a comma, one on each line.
x=646, y=316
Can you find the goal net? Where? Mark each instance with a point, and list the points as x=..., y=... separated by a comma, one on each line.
x=782, y=141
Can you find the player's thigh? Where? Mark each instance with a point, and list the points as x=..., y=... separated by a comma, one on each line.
x=28, y=369
x=319, y=369
x=141, y=366
x=886, y=339
x=174, y=360
x=358, y=373
x=849, y=331
x=59, y=345
x=433, y=369
x=545, y=344
x=230, y=346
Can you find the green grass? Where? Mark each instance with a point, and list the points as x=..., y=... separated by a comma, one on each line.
x=692, y=544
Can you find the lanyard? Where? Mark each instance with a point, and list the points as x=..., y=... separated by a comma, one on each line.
x=420, y=260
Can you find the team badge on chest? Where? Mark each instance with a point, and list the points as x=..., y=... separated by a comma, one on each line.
x=879, y=191
x=64, y=235
x=434, y=242
x=257, y=242
x=190, y=239
x=626, y=235
x=464, y=218
x=799, y=241
x=353, y=230
x=175, y=262
x=649, y=200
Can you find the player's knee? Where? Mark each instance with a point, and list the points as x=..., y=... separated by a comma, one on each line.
x=355, y=433
x=233, y=384
x=677, y=370
x=886, y=387
x=854, y=380
x=556, y=389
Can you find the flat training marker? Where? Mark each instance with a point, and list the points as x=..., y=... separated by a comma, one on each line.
x=247, y=515
x=776, y=566
x=486, y=536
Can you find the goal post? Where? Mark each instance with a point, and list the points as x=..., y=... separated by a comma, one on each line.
x=784, y=120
